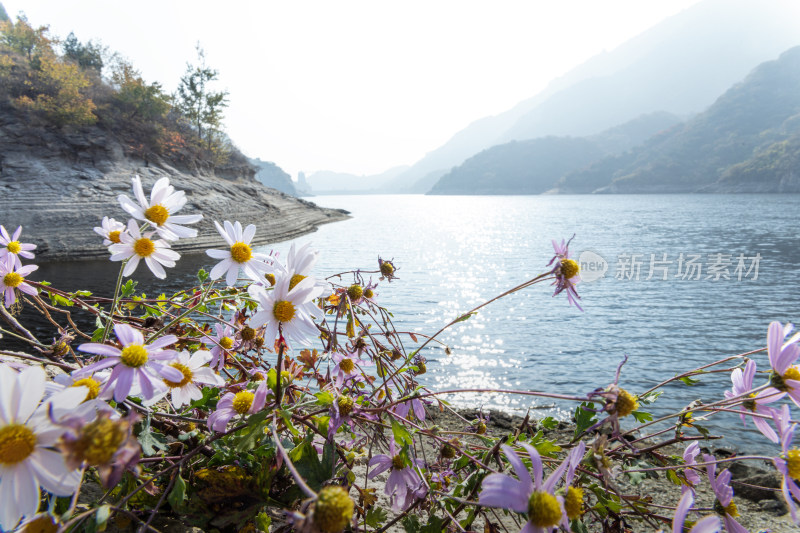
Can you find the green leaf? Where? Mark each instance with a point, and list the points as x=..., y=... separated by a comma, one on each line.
x=324, y=398
x=401, y=434
x=307, y=462
x=376, y=516
x=101, y=517
x=672, y=476
x=689, y=381
x=151, y=441
x=129, y=288
x=202, y=275
x=548, y=423
x=584, y=417
x=650, y=397
x=642, y=416
x=263, y=521
x=178, y=493
x=545, y=447
x=463, y=318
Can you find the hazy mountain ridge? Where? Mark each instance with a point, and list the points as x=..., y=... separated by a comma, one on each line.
x=533, y=166
x=751, y=126
x=329, y=182
x=680, y=65
x=271, y=175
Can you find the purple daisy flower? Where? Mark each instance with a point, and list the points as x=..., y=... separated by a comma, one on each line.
x=12, y=277
x=402, y=409
x=782, y=355
x=724, y=506
x=525, y=495
x=220, y=344
x=690, y=460
x=788, y=464
x=708, y=524
x=404, y=485
x=240, y=403
x=754, y=402
x=136, y=364
x=566, y=271
x=348, y=367
x=11, y=247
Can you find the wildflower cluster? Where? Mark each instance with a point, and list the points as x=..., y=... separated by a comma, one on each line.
x=268, y=397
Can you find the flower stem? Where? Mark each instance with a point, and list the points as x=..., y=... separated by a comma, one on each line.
x=110, y=320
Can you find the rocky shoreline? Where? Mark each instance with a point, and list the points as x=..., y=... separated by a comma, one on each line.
x=58, y=214
x=58, y=184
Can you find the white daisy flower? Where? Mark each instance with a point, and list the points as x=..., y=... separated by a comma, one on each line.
x=10, y=246
x=27, y=436
x=195, y=372
x=240, y=254
x=12, y=277
x=298, y=267
x=110, y=230
x=289, y=312
x=160, y=211
x=134, y=246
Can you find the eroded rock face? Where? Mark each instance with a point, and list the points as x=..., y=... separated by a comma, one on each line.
x=59, y=185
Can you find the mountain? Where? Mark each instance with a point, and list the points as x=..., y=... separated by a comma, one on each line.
x=534, y=166
x=680, y=66
x=271, y=175
x=327, y=182
x=745, y=141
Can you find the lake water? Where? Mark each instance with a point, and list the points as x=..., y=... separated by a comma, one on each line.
x=454, y=252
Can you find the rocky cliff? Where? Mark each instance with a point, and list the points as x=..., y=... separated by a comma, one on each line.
x=58, y=184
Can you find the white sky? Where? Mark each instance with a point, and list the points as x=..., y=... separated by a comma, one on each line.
x=355, y=86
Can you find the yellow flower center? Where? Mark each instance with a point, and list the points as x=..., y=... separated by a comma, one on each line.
x=91, y=384
x=12, y=279
x=398, y=463
x=297, y=278
x=543, y=509
x=243, y=401
x=187, y=376
x=270, y=278
x=16, y=443
x=42, y=524
x=283, y=311
x=241, y=252
x=626, y=404
x=793, y=463
x=99, y=441
x=749, y=404
x=387, y=269
x=346, y=365
x=333, y=509
x=729, y=509
x=345, y=404
x=355, y=292
x=248, y=334
x=144, y=247
x=369, y=293
x=569, y=268
x=134, y=355
x=226, y=343
x=13, y=247
x=157, y=214
x=573, y=503
x=113, y=236
x=779, y=382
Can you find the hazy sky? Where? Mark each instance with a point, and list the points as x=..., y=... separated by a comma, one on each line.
x=356, y=86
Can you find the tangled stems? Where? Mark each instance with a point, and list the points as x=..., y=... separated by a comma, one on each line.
x=348, y=411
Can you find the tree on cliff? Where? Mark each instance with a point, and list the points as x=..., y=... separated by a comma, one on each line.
x=198, y=103
x=89, y=55
x=25, y=39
